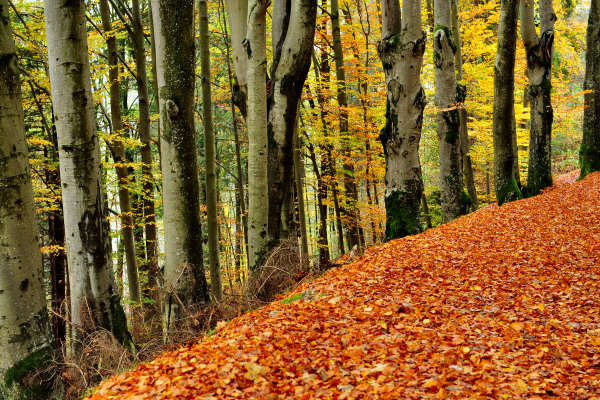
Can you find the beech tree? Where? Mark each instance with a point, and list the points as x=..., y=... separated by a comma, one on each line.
x=175, y=52
x=507, y=187
x=401, y=51
x=589, y=154
x=94, y=298
x=25, y=333
x=209, y=155
x=540, y=50
x=448, y=120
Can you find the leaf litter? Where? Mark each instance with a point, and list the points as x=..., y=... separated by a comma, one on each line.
x=501, y=303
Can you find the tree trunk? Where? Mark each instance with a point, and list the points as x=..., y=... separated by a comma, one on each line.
x=350, y=209
x=589, y=154
x=507, y=188
x=539, y=72
x=448, y=120
x=467, y=165
x=94, y=300
x=299, y=181
x=25, y=335
x=291, y=62
x=237, y=11
x=151, y=265
x=184, y=267
x=209, y=156
x=401, y=51
x=118, y=154
x=258, y=198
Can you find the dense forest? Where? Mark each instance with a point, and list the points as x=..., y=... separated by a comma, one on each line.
x=168, y=165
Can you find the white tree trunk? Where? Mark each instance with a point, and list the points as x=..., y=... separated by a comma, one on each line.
x=94, y=299
x=237, y=11
x=184, y=269
x=258, y=199
x=448, y=121
x=401, y=51
x=25, y=327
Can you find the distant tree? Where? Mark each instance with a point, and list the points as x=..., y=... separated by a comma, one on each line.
x=540, y=51
x=401, y=51
x=589, y=154
x=94, y=299
x=209, y=155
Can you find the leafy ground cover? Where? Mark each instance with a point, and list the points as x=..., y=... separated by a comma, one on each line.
x=501, y=303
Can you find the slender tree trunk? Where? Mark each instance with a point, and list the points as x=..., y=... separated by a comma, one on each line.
x=448, y=120
x=184, y=267
x=401, y=51
x=151, y=264
x=426, y=211
x=350, y=209
x=589, y=154
x=118, y=153
x=467, y=165
x=209, y=155
x=299, y=181
x=291, y=62
x=237, y=11
x=507, y=188
x=25, y=333
x=539, y=72
x=258, y=198
x=92, y=288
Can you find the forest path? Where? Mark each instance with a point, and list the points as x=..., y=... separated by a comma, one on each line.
x=501, y=303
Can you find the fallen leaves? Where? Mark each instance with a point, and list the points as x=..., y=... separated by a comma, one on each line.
x=502, y=303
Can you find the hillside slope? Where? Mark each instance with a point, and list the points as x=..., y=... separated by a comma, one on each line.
x=501, y=303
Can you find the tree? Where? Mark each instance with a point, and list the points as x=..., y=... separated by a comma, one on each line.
x=507, y=188
x=258, y=198
x=209, y=155
x=589, y=154
x=401, y=51
x=25, y=335
x=184, y=269
x=294, y=30
x=467, y=165
x=540, y=51
x=118, y=153
x=448, y=120
x=94, y=299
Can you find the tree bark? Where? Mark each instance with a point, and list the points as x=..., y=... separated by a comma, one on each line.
x=506, y=185
x=291, y=62
x=237, y=11
x=150, y=288
x=118, y=154
x=401, y=51
x=209, y=156
x=25, y=333
x=258, y=198
x=467, y=165
x=299, y=181
x=448, y=120
x=539, y=52
x=184, y=268
x=589, y=153
x=94, y=300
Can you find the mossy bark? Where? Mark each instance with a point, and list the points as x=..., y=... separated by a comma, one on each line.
x=175, y=49
x=589, y=153
x=539, y=50
x=505, y=182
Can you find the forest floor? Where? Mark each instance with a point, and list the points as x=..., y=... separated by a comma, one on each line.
x=501, y=303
